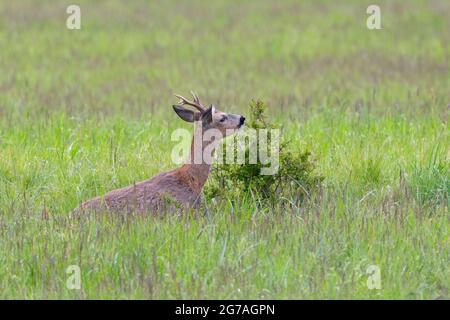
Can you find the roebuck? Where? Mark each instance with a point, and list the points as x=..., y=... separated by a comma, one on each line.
x=182, y=185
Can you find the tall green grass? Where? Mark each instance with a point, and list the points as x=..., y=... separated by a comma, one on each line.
x=430, y=182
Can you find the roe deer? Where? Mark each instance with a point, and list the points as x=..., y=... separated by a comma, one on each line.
x=182, y=185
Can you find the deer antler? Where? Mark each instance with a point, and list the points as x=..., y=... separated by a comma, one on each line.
x=195, y=103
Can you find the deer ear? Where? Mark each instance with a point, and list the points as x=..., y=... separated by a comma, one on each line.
x=183, y=113
x=207, y=116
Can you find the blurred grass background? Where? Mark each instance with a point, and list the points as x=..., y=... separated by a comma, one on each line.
x=85, y=111
x=131, y=57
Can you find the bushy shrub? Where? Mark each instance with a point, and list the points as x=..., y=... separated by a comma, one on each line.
x=295, y=177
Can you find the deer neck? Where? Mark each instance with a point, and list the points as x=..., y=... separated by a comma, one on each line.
x=198, y=165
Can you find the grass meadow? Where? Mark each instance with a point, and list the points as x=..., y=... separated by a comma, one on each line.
x=86, y=111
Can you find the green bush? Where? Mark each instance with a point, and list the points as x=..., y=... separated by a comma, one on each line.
x=295, y=178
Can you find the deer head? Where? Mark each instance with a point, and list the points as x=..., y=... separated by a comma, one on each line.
x=209, y=118
x=211, y=125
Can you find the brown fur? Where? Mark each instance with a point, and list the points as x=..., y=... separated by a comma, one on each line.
x=149, y=195
x=182, y=185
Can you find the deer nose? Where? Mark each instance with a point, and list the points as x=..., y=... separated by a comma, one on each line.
x=241, y=120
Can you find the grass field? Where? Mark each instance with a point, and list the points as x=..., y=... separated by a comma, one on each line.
x=86, y=111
